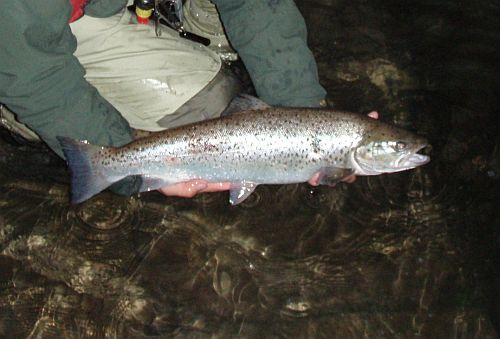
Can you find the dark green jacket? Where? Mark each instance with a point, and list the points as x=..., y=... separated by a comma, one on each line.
x=271, y=38
x=43, y=83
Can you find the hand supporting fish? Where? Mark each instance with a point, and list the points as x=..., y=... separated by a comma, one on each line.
x=189, y=189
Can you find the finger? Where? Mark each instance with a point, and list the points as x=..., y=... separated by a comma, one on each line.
x=350, y=179
x=314, y=181
x=216, y=187
x=186, y=189
x=373, y=115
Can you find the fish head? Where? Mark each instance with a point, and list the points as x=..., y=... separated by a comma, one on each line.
x=388, y=149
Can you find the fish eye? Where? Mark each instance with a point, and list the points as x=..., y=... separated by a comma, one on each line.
x=400, y=145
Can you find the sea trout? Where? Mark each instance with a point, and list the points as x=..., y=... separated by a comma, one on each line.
x=259, y=145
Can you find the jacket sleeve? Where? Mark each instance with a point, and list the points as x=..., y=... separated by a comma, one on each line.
x=43, y=82
x=271, y=39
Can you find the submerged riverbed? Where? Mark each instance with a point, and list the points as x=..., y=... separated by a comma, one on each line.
x=402, y=255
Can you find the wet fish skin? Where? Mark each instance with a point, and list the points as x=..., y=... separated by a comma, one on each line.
x=266, y=146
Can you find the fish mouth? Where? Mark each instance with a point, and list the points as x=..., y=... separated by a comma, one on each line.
x=413, y=159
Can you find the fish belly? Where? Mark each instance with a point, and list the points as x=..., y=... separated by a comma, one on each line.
x=226, y=171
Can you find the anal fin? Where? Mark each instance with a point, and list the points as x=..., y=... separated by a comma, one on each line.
x=240, y=191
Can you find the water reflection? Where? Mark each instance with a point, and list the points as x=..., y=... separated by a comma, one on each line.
x=401, y=255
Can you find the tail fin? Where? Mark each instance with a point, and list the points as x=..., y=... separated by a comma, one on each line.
x=87, y=177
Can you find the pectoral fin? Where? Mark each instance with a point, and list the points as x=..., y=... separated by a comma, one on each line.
x=333, y=175
x=240, y=191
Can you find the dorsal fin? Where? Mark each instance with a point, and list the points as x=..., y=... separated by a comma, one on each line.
x=244, y=102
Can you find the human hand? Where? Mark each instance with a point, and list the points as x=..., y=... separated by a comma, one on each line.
x=189, y=189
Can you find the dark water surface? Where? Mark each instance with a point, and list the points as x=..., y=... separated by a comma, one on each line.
x=395, y=256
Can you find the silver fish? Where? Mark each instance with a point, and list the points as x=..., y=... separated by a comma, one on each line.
x=262, y=146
